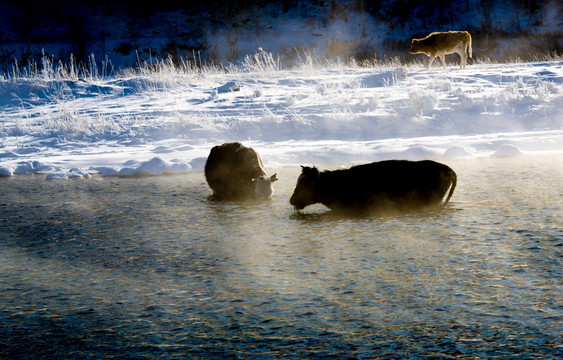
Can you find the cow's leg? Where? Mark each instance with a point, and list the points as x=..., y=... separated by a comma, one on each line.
x=443, y=58
x=463, y=57
x=430, y=60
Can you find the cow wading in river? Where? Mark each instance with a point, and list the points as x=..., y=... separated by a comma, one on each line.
x=442, y=43
x=235, y=172
x=378, y=187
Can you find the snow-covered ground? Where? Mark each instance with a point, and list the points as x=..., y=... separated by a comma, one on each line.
x=167, y=120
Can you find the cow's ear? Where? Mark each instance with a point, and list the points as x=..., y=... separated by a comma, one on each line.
x=311, y=172
x=274, y=178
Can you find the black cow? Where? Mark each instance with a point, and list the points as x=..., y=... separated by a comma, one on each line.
x=393, y=185
x=235, y=172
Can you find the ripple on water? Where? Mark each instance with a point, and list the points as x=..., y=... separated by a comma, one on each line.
x=151, y=268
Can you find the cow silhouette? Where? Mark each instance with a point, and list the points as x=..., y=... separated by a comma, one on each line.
x=393, y=185
x=235, y=172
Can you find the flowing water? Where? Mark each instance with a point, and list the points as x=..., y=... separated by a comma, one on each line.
x=150, y=268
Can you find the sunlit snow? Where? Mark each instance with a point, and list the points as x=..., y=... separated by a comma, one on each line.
x=166, y=121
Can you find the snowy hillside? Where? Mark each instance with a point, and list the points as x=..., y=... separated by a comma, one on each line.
x=165, y=120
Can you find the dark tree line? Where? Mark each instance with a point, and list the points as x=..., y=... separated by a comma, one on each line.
x=82, y=25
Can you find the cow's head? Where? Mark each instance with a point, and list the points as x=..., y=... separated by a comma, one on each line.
x=415, y=46
x=305, y=192
x=264, y=186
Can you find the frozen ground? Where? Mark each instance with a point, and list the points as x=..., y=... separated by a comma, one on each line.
x=67, y=125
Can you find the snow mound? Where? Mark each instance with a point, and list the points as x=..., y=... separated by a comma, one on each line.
x=154, y=166
x=72, y=174
x=231, y=86
x=198, y=164
x=420, y=153
x=6, y=171
x=455, y=152
x=507, y=150
x=36, y=167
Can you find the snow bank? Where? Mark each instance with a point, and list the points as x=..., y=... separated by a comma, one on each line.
x=154, y=166
x=71, y=174
x=507, y=150
x=167, y=124
x=6, y=171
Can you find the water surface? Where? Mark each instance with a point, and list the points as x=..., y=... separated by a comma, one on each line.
x=150, y=268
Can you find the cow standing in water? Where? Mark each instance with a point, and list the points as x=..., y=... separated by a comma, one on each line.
x=394, y=185
x=442, y=43
x=235, y=172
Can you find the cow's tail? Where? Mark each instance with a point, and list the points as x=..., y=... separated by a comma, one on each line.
x=453, y=179
x=469, y=48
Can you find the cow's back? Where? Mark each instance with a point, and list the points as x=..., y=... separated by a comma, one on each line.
x=400, y=176
x=445, y=41
x=230, y=169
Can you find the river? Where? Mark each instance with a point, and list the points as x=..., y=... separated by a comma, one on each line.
x=150, y=268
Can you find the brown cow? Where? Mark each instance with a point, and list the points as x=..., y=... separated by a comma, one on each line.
x=442, y=43
x=235, y=172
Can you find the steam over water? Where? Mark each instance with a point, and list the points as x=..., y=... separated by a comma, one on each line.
x=150, y=268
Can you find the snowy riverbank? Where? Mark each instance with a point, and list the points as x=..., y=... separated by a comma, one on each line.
x=166, y=121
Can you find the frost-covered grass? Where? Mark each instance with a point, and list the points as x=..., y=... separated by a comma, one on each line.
x=62, y=116
x=261, y=62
